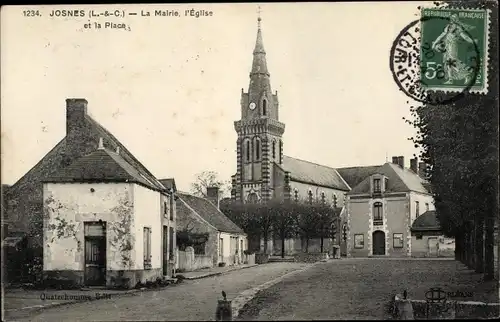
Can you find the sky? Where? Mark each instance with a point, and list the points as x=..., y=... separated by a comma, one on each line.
x=169, y=88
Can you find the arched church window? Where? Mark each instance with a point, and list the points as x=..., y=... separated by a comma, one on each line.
x=310, y=195
x=247, y=148
x=274, y=150
x=257, y=149
x=323, y=197
x=296, y=194
x=264, y=107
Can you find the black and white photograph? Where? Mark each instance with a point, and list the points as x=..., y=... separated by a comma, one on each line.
x=250, y=161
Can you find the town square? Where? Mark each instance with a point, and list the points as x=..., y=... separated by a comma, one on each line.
x=286, y=161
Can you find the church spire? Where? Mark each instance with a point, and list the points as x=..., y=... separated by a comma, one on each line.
x=259, y=65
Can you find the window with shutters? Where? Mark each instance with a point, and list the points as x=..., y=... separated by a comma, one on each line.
x=377, y=213
x=147, y=248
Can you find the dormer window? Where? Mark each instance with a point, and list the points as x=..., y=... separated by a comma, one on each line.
x=376, y=185
x=386, y=183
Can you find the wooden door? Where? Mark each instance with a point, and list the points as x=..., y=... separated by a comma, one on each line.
x=95, y=253
x=95, y=261
x=378, y=242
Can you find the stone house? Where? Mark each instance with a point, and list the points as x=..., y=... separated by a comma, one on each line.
x=31, y=195
x=382, y=207
x=225, y=243
x=105, y=223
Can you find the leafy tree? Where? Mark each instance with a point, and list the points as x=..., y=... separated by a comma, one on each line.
x=207, y=179
x=306, y=222
x=459, y=140
x=283, y=218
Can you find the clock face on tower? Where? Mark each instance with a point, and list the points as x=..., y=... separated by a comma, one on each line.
x=252, y=106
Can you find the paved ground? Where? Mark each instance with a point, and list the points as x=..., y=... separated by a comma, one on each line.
x=192, y=300
x=359, y=289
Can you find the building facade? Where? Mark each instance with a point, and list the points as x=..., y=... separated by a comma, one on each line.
x=381, y=209
x=105, y=224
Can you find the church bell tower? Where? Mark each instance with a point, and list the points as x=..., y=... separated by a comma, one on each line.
x=259, y=143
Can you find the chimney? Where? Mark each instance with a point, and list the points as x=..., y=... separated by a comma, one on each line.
x=395, y=160
x=401, y=162
x=76, y=109
x=414, y=165
x=422, y=170
x=213, y=195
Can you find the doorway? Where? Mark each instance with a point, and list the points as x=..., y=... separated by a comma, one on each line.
x=165, y=250
x=95, y=253
x=378, y=242
x=433, y=246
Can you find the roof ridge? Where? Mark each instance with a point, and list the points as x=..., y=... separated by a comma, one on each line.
x=321, y=165
x=360, y=166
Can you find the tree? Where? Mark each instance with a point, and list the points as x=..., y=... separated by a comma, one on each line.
x=326, y=219
x=284, y=221
x=207, y=179
x=459, y=140
x=306, y=222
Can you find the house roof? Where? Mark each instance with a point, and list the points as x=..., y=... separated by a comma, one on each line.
x=428, y=221
x=169, y=183
x=316, y=174
x=400, y=180
x=207, y=211
x=103, y=165
x=110, y=139
x=354, y=175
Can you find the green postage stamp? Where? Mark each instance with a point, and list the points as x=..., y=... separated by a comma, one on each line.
x=454, y=49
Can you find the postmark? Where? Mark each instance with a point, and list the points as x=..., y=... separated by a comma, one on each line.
x=430, y=62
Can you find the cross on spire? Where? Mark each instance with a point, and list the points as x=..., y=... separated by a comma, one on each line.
x=259, y=19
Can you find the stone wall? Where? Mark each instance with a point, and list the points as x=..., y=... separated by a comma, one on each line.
x=188, y=261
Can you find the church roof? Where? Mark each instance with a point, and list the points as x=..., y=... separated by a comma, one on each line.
x=316, y=174
x=205, y=209
x=400, y=180
x=103, y=166
x=428, y=221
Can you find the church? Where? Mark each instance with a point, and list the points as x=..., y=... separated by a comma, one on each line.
x=263, y=171
x=376, y=218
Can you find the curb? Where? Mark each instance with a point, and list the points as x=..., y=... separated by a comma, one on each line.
x=246, y=296
x=218, y=273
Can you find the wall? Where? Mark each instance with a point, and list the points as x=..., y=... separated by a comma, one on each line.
x=358, y=223
x=420, y=247
x=148, y=213
x=395, y=220
x=67, y=206
x=422, y=199
x=188, y=261
x=303, y=189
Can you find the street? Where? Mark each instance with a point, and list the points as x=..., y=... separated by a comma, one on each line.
x=360, y=289
x=191, y=300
